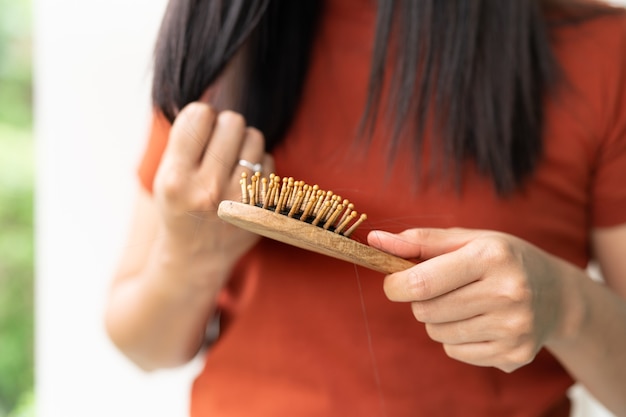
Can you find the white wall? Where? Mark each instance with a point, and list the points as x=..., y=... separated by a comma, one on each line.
x=92, y=78
x=92, y=103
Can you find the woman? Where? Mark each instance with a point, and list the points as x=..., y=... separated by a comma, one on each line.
x=485, y=140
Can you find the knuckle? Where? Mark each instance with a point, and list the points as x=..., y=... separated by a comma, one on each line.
x=421, y=312
x=186, y=192
x=412, y=240
x=256, y=136
x=453, y=352
x=507, y=368
x=514, y=290
x=254, y=142
x=520, y=356
x=494, y=250
x=449, y=351
x=519, y=327
x=420, y=235
x=171, y=184
x=196, y=107
x=433, y=331
x=202, y=203
x=418, y=287
x=206, y=198
x=232, y=118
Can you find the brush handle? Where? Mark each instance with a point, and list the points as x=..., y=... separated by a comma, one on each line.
x=306, y=236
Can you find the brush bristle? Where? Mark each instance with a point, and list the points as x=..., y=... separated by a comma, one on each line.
x=301, y=201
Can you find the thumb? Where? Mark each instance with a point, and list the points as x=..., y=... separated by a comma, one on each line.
x=422, y=243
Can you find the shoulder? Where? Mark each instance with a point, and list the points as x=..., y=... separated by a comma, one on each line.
x=606, y=26
x=592, y=56
x=591, y=53
x=598, y=38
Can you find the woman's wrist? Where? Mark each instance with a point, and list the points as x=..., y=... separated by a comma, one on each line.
x=185, y=269
x=573, y=306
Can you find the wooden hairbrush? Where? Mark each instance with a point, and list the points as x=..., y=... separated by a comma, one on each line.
x=305, y=216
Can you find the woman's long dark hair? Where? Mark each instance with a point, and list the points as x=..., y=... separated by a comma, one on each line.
x=480, y=68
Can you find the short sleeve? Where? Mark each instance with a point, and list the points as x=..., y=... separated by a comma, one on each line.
x=609, y=183
x=157, y=140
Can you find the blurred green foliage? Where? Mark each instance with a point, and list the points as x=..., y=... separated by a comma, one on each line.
x=15, y=63
x=16, y=211
x=16, y=266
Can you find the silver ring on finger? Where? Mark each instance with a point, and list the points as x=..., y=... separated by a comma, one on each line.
x=252, y=167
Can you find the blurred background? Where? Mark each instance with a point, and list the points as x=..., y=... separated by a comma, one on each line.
x=16, y=210
x=89, y=63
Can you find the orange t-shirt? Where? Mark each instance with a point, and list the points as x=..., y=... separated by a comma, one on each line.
x=314, y=336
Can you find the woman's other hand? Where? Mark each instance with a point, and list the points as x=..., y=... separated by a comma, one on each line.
x=490, y=298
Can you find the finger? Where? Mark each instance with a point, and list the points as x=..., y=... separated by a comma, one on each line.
x=189, y=135
x=473, y=330
x=492, y=353
x=223, y=149
x=434, y=277
x=477, y=354
x=465, y=303
x=422, y=243
x=252, y=150
x=268, y=164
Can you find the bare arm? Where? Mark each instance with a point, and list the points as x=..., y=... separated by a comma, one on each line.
x=179, y=254
x=161, y=297
x=595, y=353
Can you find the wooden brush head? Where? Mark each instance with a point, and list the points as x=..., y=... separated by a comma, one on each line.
x=307, y=217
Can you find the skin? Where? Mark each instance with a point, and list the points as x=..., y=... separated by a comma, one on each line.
x=492, y=299
x=179, y=254
x=515, y=298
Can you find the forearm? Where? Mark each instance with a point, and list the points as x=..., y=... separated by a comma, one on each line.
x=592, y=346
x=158, y=316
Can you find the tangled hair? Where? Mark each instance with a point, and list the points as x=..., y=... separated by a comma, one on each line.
x=479, y=69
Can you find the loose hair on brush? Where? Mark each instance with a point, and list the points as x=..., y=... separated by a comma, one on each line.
x=479, y=71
